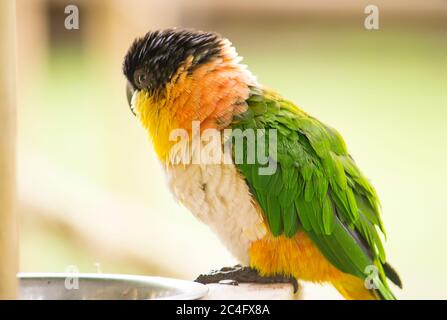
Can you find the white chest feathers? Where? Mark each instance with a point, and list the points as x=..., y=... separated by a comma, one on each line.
x=218, y=196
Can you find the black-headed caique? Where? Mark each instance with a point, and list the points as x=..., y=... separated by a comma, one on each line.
x=313, y=217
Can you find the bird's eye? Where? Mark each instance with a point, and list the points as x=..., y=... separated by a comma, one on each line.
x=141, y=79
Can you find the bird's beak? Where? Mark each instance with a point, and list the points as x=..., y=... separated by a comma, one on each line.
x=130, y=93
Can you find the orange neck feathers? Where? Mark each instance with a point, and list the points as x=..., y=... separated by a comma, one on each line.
x=211, y=94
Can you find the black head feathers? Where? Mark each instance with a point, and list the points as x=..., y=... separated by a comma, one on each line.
x=153, y=59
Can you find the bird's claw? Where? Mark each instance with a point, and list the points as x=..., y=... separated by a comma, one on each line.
x=239, y=274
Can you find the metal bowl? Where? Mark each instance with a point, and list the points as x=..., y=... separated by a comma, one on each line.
x=86, y=286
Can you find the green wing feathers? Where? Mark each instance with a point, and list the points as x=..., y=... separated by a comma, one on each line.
x=317, y=187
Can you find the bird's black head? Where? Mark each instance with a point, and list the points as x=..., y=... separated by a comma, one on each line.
x=152, y=60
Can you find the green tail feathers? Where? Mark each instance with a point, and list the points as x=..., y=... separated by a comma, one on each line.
x=392, y=275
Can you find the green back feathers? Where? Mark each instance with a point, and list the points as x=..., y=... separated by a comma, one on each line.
x=317, y=187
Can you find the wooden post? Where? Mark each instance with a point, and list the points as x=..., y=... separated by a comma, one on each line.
x=8, y=224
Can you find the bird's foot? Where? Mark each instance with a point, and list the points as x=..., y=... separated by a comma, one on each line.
x=239, y=274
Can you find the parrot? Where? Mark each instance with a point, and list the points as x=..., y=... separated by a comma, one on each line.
x=311, y=215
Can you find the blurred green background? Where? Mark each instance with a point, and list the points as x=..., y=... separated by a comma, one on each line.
x=92, y=194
